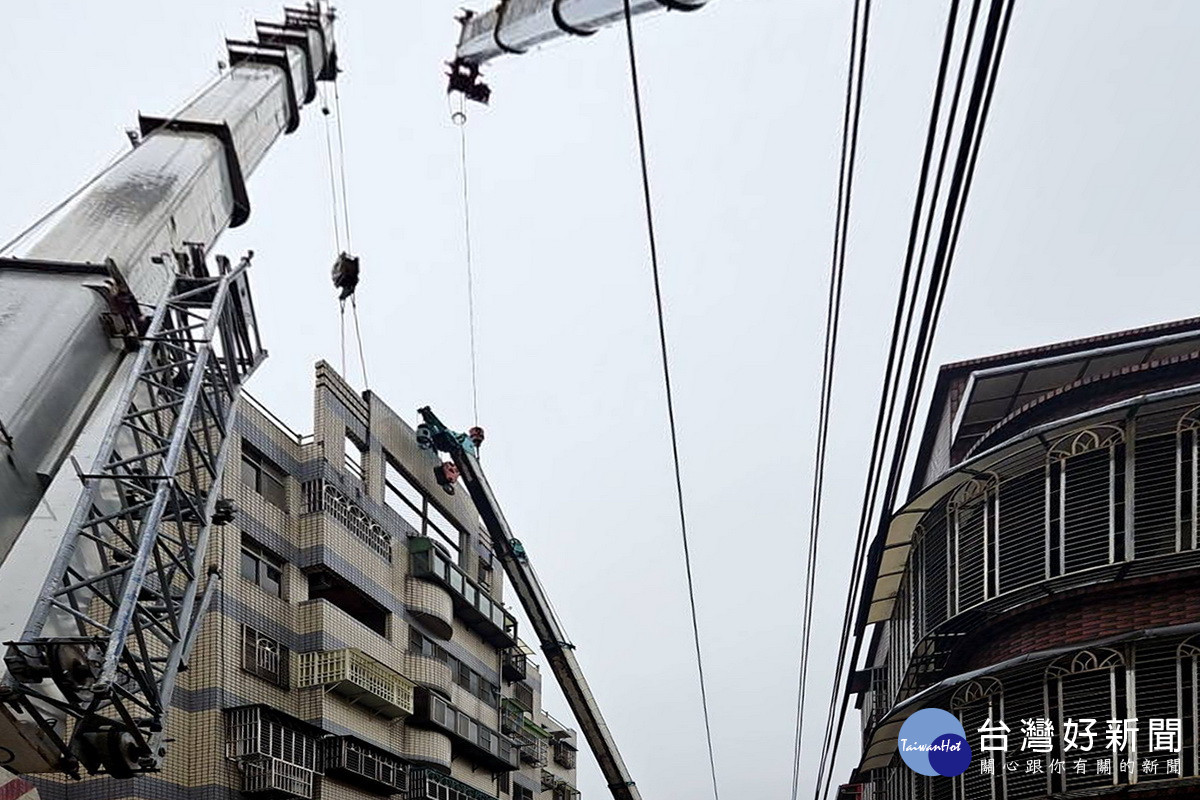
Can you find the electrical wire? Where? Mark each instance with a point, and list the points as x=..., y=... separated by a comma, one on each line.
x=987, y=68
x=666, y=369
x=855, y=68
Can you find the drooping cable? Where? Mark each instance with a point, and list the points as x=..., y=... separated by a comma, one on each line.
x=856, y=64
x=987, y=68
x=666, y=370
x=460, y=120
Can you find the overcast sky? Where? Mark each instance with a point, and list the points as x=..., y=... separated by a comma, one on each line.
x=1081, y=221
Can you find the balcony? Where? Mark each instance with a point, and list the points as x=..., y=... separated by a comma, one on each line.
x=359, y=678
x=565, y=791
x=277, y=754
x=537, y=752
x=428, y=784
x=367, y=767
x=264, y=776
x=321, y=496
x=514, y=664
x=469, y=737
x=471, y=603
x=564, y=754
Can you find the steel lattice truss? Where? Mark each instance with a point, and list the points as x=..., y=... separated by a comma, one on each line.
x=120, y=608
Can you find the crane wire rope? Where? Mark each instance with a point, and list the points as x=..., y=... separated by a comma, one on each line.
x=855, y=68
x=666, y=370
x=987, y=68
x=345, y=208
x=459, y=118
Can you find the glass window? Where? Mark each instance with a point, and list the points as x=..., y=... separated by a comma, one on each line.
x=263, y=475
x=262, y=567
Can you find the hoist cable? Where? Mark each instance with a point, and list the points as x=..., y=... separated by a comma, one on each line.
x=666, y=370
x=337, y=102
x=342, y=317
x=460, y=120
x=855, y=67
x=337, y=230
x=362, y=358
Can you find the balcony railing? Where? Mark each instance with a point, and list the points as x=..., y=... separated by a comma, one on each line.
x=428, y=784
x=276, y=754
x=357, y=676
x=359, y=763
x=485, y=616
x=320, y=496
x=482, y=744
x=265, y=775
x=515, y=665
x=564, y=754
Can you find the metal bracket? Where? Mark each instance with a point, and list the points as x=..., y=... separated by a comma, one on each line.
x=272, y=33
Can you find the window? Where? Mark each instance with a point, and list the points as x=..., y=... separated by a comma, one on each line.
x=979, y=704
x=484, y=572
x=263, y=475
x=400, y=496
x=504, y=783
x=522, y=793
x=354, y=455
x=262, y=567
x=973, y=526
x=1090, y=684
x=264, y=657
x=1086, y=473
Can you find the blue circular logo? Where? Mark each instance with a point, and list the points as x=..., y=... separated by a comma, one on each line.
x=933, y=742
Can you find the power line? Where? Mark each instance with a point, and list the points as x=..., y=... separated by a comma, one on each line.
x=986, y=69
x=666, y=369
x=853, y=105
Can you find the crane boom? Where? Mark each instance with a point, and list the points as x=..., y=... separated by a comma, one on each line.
x=559, y=652
x=82, y=274
x=514, y=27
x=113, y=327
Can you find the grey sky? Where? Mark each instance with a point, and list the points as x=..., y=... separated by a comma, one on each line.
x=1080, y=222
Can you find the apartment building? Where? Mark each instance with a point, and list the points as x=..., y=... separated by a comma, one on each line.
x=359, y=644
x=1042, y=574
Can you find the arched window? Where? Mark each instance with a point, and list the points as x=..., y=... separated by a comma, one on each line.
x=1187, y=537
x=979, y=705
x=934, y=545
x=973, y=516
x=1086, y=500
x=1189, y=705
x=1083, y=691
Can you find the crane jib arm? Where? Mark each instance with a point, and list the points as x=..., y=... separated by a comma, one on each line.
x=182, y=184
x=559, y=652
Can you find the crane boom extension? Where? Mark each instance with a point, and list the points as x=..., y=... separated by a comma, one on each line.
x=559, y=652
x=514, y=27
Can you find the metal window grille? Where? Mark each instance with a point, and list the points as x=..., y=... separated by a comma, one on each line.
x=264, y=657
x=273, y=755
x=428, y=784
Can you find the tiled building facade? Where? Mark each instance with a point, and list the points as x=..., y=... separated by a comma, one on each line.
x=1043, y=572
x=359, y=645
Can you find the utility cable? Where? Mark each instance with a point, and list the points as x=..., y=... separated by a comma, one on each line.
x=460, y=119
x=987, y=68
x=666, y=369
x=856, y=64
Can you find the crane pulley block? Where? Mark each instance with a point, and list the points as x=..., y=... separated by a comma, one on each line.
x=345, y=274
